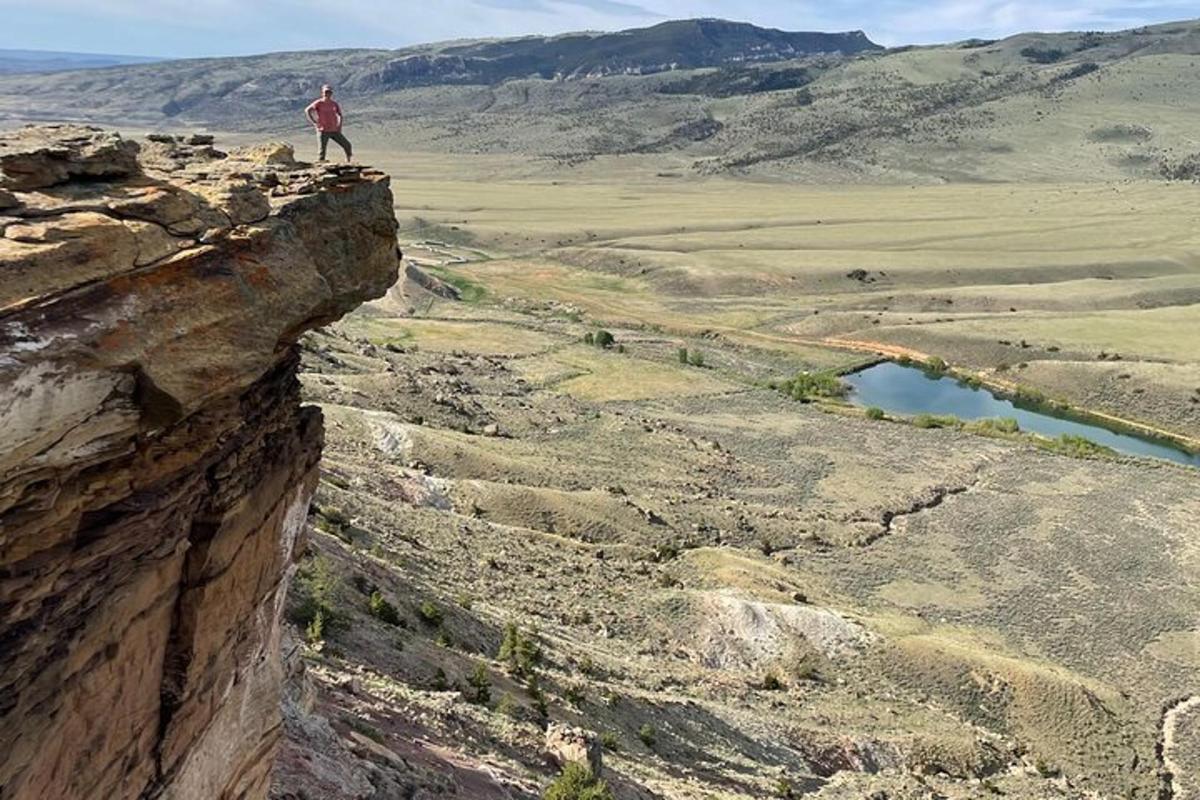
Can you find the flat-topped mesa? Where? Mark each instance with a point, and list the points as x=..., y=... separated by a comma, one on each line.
x=155, y=462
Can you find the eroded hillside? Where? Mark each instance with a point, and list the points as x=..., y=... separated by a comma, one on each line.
x=741, y=596
x=735, y=594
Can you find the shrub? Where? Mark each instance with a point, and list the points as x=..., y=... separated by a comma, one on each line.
x=807, y=386
x=520, y=651
x=603, y=339
x=534, y=687
x=682, y=354
x=381, y=609
x=935, y=421
x=1025, y=394
x=696, y=358
x=610, y=741
x=997, y=425
x=481, y=685
x=665, y=552
x=430, y=614
x=936, y=365
x=334, y=521
x=575, y=693
x=576, y=782
x=468, y=290
x=1078, y=71
x=771, y=682
x=315, y=589
x=806, y=671
x=365, y=728
x=315, y=630
x=1076, y=446
x=588, y=338
x=874, y=412
x=647, y=734
x=440, y=683
x=1043, y=55
x=620, y=348
x=508, y=706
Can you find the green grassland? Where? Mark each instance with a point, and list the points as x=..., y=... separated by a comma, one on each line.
x=1057, y=280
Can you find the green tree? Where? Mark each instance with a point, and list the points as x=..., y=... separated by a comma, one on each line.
x=519, y=651
x=430, y=614
x=315, y=630
x=534, y=687
x=381, y=609
x=316, y=590
x=576, y=782
x=481, y=684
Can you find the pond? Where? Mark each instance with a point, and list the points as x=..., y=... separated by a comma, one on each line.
x=902, y=389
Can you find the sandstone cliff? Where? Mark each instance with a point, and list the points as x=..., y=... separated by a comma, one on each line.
x=155, y=462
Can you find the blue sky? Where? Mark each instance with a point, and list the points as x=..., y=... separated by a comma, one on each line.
x=231, y=27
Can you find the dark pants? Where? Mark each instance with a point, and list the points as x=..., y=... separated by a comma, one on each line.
x=337, y=137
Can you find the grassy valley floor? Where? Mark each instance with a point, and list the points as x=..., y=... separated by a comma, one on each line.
x=741, y=595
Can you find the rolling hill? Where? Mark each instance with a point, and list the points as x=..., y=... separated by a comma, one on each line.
x=707, y=96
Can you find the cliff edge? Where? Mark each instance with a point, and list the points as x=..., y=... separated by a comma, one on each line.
x=155, y=462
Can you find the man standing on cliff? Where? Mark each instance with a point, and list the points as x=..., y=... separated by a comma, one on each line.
x=326, y=117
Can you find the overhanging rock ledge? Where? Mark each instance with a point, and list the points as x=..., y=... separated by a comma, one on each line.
x=155, y=462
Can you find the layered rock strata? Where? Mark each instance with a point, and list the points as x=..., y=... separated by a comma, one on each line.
x=155, y=462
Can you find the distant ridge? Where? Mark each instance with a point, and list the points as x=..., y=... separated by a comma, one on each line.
x=677, y=44
x=673, y=45
x=37, y=61
x=710, y=96
x=227, y=91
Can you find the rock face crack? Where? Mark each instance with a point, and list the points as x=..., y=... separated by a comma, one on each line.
x=936, y=496
x=159, y=467
x=927, y=500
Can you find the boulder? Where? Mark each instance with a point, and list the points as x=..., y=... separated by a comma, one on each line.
x=38, y=157
x=273, y=153
x=565, y=744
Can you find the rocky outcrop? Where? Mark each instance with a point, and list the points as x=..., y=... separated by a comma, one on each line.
x=155, y=462
x=565, y=744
